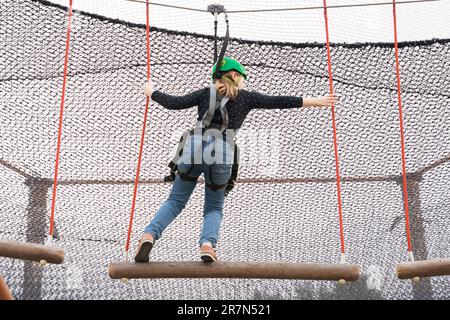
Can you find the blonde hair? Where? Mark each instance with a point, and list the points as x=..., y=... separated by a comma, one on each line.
x=226, y=86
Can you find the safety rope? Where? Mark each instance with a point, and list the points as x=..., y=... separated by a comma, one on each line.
x=141, y=147
x=61, y=112
x=354, y=5
x=333, y=117
x=402, y=137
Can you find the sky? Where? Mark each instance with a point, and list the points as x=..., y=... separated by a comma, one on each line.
x=416, y=21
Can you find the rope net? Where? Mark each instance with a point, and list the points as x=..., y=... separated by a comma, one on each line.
x=284, y=207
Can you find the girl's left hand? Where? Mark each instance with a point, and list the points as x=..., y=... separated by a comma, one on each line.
x=148, y=88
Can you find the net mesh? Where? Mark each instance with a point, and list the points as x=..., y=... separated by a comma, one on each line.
x=283, y=209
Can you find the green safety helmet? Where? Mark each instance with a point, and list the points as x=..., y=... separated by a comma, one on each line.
x=229, y=64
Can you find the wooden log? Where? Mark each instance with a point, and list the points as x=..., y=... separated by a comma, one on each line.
x=5, y=293
x=303, y=271
x=31, y=252
x=425, y=268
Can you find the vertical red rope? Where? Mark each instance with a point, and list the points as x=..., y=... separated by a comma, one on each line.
x=61, y=112
x=147, y=30
x=333, y=116
x=141, y=147
x=402, y=137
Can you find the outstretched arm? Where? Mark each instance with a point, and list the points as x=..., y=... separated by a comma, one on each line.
x=173, y=102
x=263, y=101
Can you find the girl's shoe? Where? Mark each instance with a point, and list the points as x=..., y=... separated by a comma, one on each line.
x=208, y=253
x=145, y=247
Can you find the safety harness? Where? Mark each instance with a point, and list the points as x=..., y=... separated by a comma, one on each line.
x=205, y=124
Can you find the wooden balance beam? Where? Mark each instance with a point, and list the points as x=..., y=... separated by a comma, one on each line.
x=425, y=268
x=31, y=252
x=5, y=293
x=301, y=271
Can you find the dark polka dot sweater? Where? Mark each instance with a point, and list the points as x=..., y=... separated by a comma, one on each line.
x=237, y=109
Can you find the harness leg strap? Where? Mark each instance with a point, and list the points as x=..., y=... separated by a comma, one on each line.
x=216, y=187
x=186, y=177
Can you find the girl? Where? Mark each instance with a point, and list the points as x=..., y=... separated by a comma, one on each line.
x=227, y=111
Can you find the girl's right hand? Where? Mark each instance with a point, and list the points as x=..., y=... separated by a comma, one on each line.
x=148, y=88
x=327, y=101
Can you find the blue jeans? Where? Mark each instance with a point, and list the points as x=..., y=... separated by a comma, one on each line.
x=216, y=173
